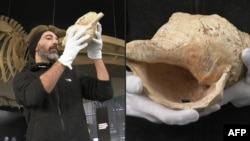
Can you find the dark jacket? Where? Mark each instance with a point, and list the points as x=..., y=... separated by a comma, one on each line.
x=58, y=116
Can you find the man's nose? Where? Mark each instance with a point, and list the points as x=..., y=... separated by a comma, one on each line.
x=55, y=42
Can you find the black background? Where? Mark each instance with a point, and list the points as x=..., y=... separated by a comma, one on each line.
x=63, y=13
x=144, y=17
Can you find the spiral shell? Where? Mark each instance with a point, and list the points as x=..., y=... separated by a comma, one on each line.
x=89, y=19
x=189, y=61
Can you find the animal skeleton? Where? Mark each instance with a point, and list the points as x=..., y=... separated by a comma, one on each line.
x=13, y=48
x=14, y=42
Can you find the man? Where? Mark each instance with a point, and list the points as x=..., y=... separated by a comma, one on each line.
x=51, y=91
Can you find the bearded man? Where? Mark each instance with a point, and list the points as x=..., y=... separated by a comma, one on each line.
x=51, y=91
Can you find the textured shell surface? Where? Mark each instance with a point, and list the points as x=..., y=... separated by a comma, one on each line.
x=189, y=60
x=90, y=20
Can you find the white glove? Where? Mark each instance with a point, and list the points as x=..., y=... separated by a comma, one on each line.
x=139, y=105
x=94, y=49
x=75, y=42
x=239, y=93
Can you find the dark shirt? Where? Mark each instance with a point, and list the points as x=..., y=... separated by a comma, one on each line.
x=59, y=115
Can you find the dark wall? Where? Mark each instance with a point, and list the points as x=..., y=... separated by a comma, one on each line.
x=63, y=13
x=144, y=17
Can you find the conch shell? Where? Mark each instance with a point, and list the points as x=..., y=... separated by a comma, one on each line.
x=89, y=19
x=189, y=61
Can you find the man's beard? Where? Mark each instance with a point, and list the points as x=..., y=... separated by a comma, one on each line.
x=49, y=54
x=52, y=56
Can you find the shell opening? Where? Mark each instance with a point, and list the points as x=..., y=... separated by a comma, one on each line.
x=172, y=82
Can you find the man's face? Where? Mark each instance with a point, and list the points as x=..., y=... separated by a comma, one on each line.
x=47, y=46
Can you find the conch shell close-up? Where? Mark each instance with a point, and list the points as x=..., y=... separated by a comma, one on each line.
x=89, y=19
x=189, y=61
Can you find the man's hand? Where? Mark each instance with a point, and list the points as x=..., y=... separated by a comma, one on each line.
x=94, y=49
x=75, y=42
x=139, y=105
x=239, y=93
